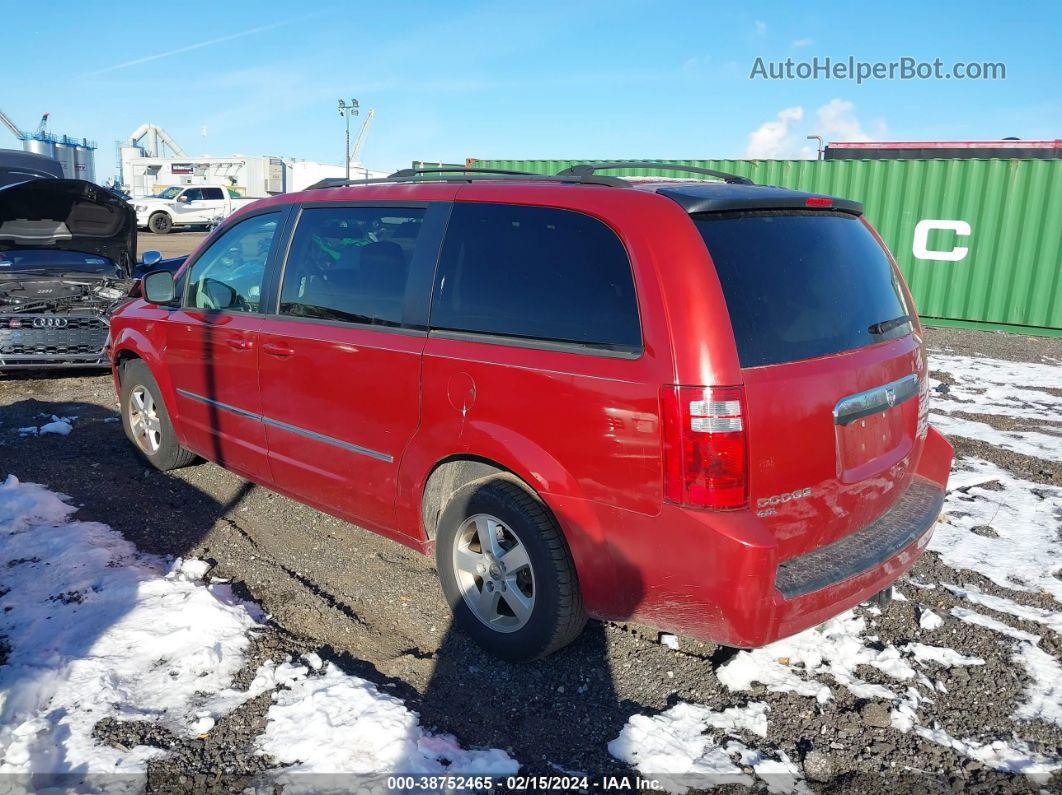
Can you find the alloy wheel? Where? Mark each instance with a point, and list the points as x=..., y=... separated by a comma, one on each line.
x=144, y=420
x=494, y=573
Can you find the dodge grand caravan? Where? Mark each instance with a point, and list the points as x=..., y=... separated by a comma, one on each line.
x=698, y=405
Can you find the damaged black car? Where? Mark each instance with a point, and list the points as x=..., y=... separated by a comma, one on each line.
x=67, y=259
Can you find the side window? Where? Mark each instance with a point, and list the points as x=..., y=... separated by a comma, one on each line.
x=193, y=194
x=212, y=194
x=229, y=274
x=535, y=272
x=350, y=264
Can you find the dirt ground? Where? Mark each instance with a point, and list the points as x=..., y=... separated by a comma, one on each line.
x=176, y=244
x=375, y=608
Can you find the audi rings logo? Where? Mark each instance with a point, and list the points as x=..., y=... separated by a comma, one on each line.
x=49, y=322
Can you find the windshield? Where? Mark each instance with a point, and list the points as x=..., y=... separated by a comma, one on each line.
x=37, y=259
x=169, y=193
x=803, y=284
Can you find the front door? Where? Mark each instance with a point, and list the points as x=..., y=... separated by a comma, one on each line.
x=212, y=348
x=340, y=360
x=202, y=205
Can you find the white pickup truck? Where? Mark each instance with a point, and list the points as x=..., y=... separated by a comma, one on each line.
x=190, y=205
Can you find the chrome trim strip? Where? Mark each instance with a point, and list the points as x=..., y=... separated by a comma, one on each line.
x=320, y=437
x=880, y=398
x=232, y=409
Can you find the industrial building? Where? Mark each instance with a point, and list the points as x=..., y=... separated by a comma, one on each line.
x=151, y=161
x=75, y=155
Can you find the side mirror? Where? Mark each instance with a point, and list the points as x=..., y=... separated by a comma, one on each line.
x=158, y=287
x=151, y=258
x=184, y=198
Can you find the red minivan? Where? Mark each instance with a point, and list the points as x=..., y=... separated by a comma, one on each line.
x=699, y=405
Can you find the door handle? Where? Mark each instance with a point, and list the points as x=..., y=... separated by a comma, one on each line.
x=239, y=343
x=277, y=349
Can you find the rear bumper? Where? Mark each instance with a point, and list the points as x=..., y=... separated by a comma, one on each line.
x=906, y=523
x=718, y=576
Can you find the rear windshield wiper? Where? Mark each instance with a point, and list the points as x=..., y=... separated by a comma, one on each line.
x=888, y=325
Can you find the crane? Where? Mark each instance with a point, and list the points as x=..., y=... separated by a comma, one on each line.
x=42, y=128
x=359, y=142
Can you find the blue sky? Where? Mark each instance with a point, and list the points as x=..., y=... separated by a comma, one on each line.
x=574, y=79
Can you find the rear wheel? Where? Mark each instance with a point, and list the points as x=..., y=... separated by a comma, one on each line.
x=146, y=421
x=506, y=571
x=160, y=223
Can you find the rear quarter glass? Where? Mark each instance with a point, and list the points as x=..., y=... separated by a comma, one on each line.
x=802, y=284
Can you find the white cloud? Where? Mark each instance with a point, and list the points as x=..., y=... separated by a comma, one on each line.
x=784, y=137
x=803, y=42
x=760, y=27
x=837, y=122
x=773, y=139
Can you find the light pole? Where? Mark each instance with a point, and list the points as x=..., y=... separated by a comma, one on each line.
x=346, y=111
x=821, y=148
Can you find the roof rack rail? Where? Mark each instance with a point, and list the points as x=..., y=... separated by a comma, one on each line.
x=589, y=169
x=458, y=174
x=410, y=172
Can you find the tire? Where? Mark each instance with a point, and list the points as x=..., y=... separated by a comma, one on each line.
x=516, y=611
x=160, y=224
x=147, y=423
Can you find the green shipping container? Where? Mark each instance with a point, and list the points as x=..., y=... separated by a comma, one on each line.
x=979, y=241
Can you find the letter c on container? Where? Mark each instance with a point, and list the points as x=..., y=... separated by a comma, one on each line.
x=921, y=239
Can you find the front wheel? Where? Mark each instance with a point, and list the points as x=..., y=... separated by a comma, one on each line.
x=146, y=421
x=506, y=571
x=160, y=223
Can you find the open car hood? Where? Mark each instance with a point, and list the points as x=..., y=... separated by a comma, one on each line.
x=68, y=214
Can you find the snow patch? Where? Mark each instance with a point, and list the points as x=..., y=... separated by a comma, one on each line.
x=836, y=648
x=1010, y=757
x=971, y=593
x=98, y=629
x=61, y=426
x=678, y=749
x=58, y=427
x=928, y=620
x=940, y=654
x=1031, y=443
x=981, y=620
x=1023, y=516
x=996, y=386
x=1043, y=695
x=339, y=724
x=833, y=649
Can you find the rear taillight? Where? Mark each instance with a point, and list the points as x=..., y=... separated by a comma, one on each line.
x=705, y=451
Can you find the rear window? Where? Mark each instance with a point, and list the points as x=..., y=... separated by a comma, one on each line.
x=536, y=273
x=802, y=284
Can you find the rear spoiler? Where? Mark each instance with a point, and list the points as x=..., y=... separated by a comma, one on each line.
x=730, y=198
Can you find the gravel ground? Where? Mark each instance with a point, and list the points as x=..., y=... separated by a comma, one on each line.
x=374, y=608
